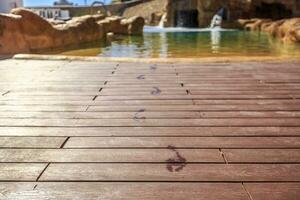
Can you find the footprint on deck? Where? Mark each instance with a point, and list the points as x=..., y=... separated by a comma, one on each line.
x=156, y=91
x=137, y=117
x=141, y=77
x=153, y=67
x=176, y=163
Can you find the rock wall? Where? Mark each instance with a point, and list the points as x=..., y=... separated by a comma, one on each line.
x=207, y=9
x=151, y=11
x=292, y=6
x=288, y=30
x=236, y=9
x=22, y=31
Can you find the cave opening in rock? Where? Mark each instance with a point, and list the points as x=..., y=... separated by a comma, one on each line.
x=186, y=18
x=273, y=11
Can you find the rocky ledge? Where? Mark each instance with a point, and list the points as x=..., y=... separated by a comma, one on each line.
x=23, y=31
x=288, y=30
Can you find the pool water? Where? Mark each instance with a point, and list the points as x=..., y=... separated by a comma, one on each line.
x=187, y=43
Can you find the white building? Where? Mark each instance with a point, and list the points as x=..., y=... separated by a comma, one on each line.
x=7, y=5
x=52, y=12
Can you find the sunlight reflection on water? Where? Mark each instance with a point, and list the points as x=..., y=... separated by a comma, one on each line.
x=188, y=43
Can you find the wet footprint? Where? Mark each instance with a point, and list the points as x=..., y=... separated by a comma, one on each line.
x=177, y=163
x=136, y=115
x=141, y=77
x=153, y=67
x=156, y=91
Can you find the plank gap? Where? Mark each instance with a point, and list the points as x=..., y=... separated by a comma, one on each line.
x=223, y=156
x=35, y=186
x=63, y=144
x=87, y=108
x=5, y=93
x=95, y=97
x=248, y=193
x=38, y=178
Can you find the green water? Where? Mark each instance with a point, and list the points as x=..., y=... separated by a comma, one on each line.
x=182, y=44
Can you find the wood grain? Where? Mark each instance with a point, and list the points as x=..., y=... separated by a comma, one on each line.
x=20, y=171
x=161, y=172
x=121, y=191
x=183, y=142
x=274, y=191
x=99, y=130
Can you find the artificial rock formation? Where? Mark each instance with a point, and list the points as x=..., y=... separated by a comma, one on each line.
x=151, y=11
x=204, y=10
x=277, y=17
x=288, y=30
x=23, y=31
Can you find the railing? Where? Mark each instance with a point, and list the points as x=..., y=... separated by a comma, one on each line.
x=99, y=3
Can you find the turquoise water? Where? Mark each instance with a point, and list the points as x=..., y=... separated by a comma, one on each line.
x=188, y=43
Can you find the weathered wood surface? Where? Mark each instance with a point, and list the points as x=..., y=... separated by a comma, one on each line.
x=121, y=191
x=161, y=172
x=88, y=130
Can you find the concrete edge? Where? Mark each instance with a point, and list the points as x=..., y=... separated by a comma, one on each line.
x=157, y=60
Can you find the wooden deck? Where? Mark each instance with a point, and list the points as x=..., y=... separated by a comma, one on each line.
x=87, y=130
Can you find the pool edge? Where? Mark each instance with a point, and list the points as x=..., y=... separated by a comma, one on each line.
x=158, y=60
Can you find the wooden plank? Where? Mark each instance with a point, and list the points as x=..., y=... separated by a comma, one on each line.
x=83, y=101
x=79, y=96
x=100, y=115
x=15, y=102
x=31, y=142
x=20, y=171
x=141, y=88
x=215, y=96
x=248, y=102
x=43, y=108
x=262, y=155
x=249, y=114
x=95, y=102
x=292, y=107
x=156, y=91
x=60, y=93
x=150, y=131
x=273, y=191
x=174, y=82
x=227, y=88
x=121, y=191
x=243, y=92
x=254, y=83
x=135, y=108
x=143, y=102
x=183, y=142
x=110, y=155
x=227, y=122
x=162, y=172
x=150, y=115
x=53, y=89
x=46, y=98
x=144, y=88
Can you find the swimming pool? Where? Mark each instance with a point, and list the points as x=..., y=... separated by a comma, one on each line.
x=187, y=43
